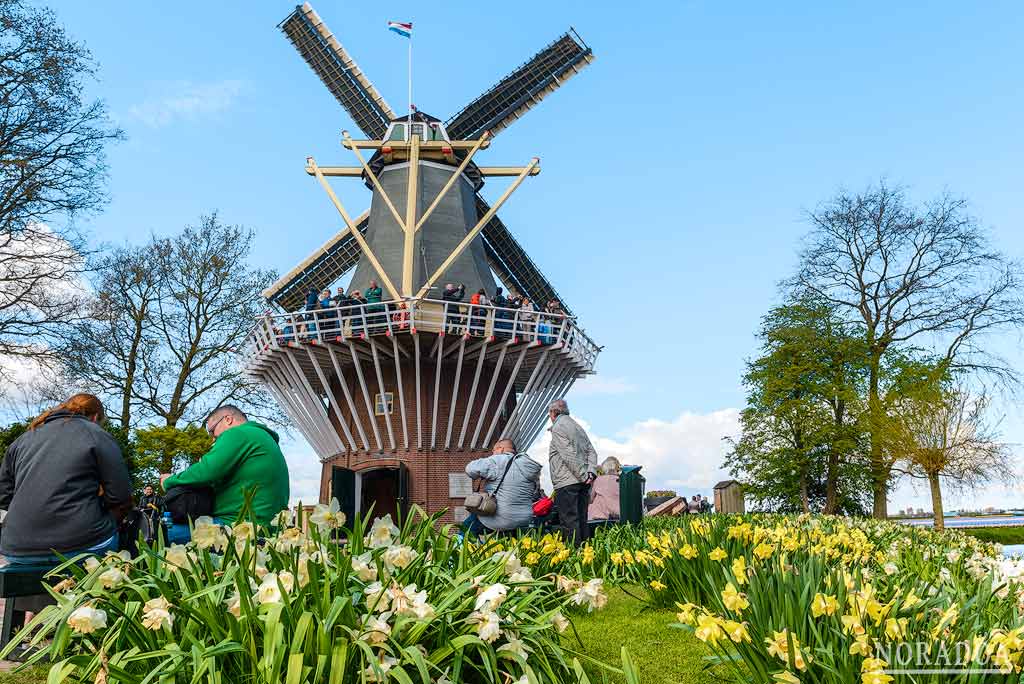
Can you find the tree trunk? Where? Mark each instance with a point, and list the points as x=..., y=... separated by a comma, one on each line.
x=936, y=487
x=879, y=470
x=831, y=486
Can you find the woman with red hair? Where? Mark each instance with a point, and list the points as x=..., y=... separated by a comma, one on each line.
x=62, y=482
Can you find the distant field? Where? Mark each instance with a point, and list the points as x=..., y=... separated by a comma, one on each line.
x=998, y=535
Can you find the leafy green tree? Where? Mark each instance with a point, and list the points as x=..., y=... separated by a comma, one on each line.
x=910, y=275
x=11, y=433
x=163, y=449
x=801, y=436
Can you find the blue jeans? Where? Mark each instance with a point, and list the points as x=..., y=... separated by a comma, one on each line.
x=179, y=533
x=51, y=559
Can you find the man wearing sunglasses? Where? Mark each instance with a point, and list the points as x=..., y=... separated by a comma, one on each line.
x=245, y=456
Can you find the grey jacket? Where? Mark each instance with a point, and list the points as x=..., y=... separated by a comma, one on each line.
x=572, y=457
x=518, y=492
x=50, y=481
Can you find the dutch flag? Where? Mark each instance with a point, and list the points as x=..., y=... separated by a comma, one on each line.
x=404, y=30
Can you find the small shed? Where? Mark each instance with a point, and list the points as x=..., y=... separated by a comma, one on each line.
x=729, y=497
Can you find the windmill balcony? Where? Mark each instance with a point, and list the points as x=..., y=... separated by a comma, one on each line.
x=409, y=317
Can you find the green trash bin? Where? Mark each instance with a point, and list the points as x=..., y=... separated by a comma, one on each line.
x=631, y=494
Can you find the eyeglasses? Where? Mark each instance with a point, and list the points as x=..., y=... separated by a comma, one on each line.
x=210, y=430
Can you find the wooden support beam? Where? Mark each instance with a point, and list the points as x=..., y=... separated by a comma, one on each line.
x=412, y=200
x=504, y=395
x=504, y=170
x=419, y=395
x=337, y=171
x=472, y=393
x=401, y=392
x=348, y=398
x=455, y=394
x=429, y=145
x=366, y=398
x=330, y=397
x=471, y=235
x=437, y=389
x=376, y=183
x=490, y=391
x=363, y=245
x=380, y=390
x=451, y=181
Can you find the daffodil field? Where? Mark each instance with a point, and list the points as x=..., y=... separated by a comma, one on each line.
x=774, y=598
x=407, y=604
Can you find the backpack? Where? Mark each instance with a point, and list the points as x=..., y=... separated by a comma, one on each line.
x=188, y=502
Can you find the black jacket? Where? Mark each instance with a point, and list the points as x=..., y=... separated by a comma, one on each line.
x=455, y=295
x=50, y=480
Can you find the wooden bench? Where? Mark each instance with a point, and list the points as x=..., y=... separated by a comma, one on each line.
x=21, y=587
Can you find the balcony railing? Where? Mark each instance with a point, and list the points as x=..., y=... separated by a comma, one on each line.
x=363, y=321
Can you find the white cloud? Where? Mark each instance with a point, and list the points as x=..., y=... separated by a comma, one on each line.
x=303, y=470
x=594, y=385
x=186, y=100
x=684, y=454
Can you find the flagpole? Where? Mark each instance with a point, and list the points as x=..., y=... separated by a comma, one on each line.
x=410, y=85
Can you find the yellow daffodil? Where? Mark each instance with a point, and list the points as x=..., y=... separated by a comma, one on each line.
x=718, y=554
x=733, y=599
x=823, y=604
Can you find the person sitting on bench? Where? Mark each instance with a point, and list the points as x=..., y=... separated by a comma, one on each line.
x=64, y=484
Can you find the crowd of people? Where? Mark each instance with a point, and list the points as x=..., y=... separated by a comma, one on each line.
x=67, y=490
x=582, y=493
x=363, y=309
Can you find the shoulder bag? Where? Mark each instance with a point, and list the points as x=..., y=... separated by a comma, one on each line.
x=486, y=503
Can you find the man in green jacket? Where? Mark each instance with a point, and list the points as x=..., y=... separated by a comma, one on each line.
x=244, y=456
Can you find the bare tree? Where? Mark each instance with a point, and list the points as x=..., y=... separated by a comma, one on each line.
x=52, y=169
x=950, y=438
x=922, y=276
x=208, y=304
x=105, y=352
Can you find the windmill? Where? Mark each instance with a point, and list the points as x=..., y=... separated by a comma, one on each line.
x=446, y=378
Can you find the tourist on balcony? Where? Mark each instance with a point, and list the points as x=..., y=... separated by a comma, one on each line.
x=604, y=493
x=329, y=317
x=478, y=321
x=373, y=295
x=453, y=317
x=64, y=485
x=527, y=319
x=573, y=462
x=514, y=480
x=501, y=315
x=245, y=457
x=288, y=332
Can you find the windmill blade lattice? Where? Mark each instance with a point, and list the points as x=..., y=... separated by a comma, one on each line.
x=515, y=94
x=338, y=71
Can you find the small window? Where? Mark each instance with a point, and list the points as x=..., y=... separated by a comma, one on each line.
x=397, y=132
x=435, y=132
x=384, y=404
x=420, y=130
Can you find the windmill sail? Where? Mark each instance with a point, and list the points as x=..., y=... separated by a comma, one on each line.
x=333, y=259
x=338, y=71
x=515, y=94
x=514, y=267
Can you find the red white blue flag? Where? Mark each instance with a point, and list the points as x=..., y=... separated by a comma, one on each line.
x=404, y=30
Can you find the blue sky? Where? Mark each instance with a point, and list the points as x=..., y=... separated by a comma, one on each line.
x=676, y=168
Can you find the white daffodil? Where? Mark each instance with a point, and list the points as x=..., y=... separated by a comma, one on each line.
x=382, y=532
x=376, y=628
x=365, y=567
x=303, y=568
x=285, y=518
x=208, y=535
x=291, y=538
x=287, y=580
x=407, y=600
x=591, y=594
x=268, y=591
x=260, y=565
x=157, y=614
x=86, y=619
x=111, y=578
x=488, y=624
x=522, y=575
x=373, y=592
x=560, y=622
x=328, y=517
x=91, y=563
x=398, y=556
x=244, y=530
x=177, y=555
x=516, y=646
x=491, y=597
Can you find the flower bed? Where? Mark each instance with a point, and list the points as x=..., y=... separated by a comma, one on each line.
x=241, y=604
x=820, y=599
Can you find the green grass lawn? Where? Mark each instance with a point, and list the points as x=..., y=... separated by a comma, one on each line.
x=662, y=655
x=998, y=535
